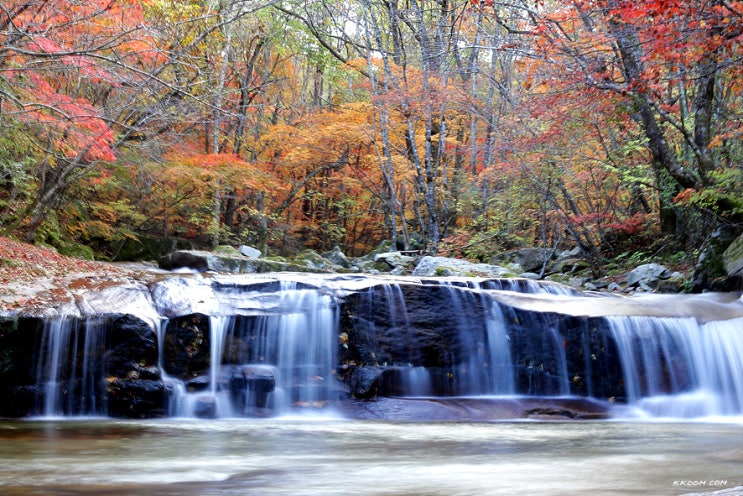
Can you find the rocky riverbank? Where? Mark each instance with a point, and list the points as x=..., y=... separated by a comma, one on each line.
x=35, y=278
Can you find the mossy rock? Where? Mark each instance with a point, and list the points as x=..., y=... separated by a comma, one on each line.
x=314, y=260
x=227, y=250
x=732, y=258
x=148, y=248
x=77, y=250
x=710, y=272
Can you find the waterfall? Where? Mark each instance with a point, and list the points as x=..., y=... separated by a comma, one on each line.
x=415, y=381
x=488, y=368
x=296, y=343
x=268, y=345
x=69, y=368
x=452, y=329
x=282, y=357
x=499, y=351
x=214, y=400
x=676, y=367
x=471, y=371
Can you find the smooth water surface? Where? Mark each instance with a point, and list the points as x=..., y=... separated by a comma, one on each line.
x=340, y=457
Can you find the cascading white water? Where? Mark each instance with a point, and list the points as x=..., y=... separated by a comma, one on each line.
x=561, y=359
x=69, y=372
x=416, y=381
x=499, y=350
x=472, y=374
x=92, y=402
x=675, y=367
x=52, y=365
x=214, y=400
x=297, y=341
x=527, y=286
x=489, y=368
x=291, y=344
x=722, y=367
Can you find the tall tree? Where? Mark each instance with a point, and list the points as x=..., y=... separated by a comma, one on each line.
x=671, y=64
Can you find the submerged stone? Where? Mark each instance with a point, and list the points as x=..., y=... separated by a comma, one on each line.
x=476, y=409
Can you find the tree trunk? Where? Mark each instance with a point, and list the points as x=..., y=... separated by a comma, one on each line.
x=665, y=162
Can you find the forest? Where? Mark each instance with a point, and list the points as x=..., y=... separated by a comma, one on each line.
x=459, y=127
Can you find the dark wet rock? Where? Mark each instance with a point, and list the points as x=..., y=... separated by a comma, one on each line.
x=132, y=347
x=386, y=331
x=206, y=407
x=364, y=382
x=538, y=341
x=186, y=345
x=259, y=378
x=118, y=348
x=451, y=344
x=197, y=383
x=18, y=337
x=18, y=388
x=139, y=398
x=249, y=387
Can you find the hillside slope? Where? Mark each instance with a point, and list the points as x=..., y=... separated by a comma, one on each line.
x=29, y=274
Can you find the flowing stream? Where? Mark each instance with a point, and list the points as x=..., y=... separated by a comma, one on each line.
x=338, y=457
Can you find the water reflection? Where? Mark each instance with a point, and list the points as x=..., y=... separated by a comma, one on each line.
x=333, y=457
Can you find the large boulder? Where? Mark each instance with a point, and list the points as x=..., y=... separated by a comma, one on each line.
x=647, y=276
x=529, y=259
x=397, y=262
x=337, y=257
x=443, y=266
x=148, y=248
x=732, y=258
x=203, y=261
x=141, y=398
x=711, y=272
x=249, y=251
x=311, y=260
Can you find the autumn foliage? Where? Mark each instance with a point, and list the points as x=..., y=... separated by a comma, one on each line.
x=459, y=127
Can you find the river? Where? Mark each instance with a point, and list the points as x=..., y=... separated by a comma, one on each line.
x=298, y=457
